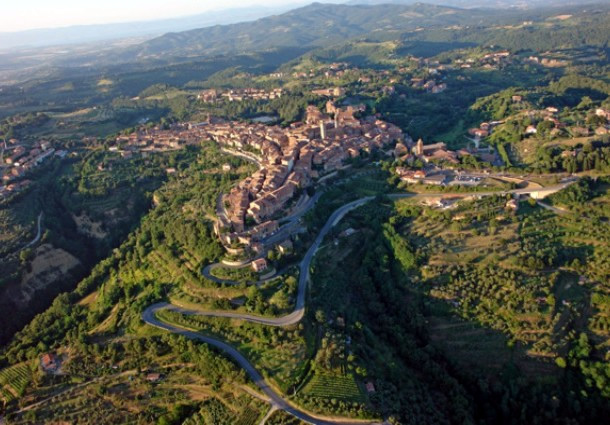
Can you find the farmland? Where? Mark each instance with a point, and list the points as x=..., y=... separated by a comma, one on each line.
x=14, y=381
x=456, y=301
x=333, y=386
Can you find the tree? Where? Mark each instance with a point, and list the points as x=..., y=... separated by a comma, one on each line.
x=544, y=128
x=320, y=316
x=25, y=255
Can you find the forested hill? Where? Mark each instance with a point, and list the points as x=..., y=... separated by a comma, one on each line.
x=314, y=25
x=588, y=27
x=329, y=25
x=496, y=4
x=323, y=25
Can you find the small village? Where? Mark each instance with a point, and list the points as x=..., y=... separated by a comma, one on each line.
x=550, y=117
x=19, y=160
x=238, y=95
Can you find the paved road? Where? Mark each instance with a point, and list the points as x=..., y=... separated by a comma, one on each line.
x=556, y=210
x=276, y=399
x=295, y=317
x=148, y=316
x=38, y=233
x=246, y=156
x=304, y=209
x=305, y=264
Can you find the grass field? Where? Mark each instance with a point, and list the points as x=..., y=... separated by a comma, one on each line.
x=370, y=185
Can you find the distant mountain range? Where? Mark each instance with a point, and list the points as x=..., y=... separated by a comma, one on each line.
x=490, y=4
x=95, y=33
x=295, y=32
x=314, y=25
x=322, y=25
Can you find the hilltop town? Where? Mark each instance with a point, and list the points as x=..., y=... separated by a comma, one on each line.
x=290, y=160
x=347, y=213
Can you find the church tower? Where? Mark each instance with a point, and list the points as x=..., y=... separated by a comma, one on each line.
x=322, y=130
x=419, y=149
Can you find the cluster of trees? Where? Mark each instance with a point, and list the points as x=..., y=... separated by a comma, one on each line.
x=165, y=229
x=499, y=298
x=580, y=32
x=289, y=108
x=498, y=105
x=282, y=418
x=276, y=352
x=15, y=125
x=369, y=290
x=594, y=156
x=471, y=98
x=581, y=86
x=212, y=411
x=540, y=245
x=116, y=197
x=576, y=194
x=595, y=370
x=335, y=406
x=283, y=292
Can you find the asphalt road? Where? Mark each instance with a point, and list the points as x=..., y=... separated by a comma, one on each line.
x=38, y=233
x=558, y=211
x=148, y=315
x=304, y=267
x=276, y=399
x=296, y=316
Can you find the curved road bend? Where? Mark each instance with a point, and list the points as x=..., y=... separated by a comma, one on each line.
x=148, y=315
x=38, y=233
x=296, y=316
x=276, y=399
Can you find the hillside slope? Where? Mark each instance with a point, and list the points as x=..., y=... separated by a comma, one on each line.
x=314, y=25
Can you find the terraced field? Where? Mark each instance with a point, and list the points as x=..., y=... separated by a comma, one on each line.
x=342, y=387
x=13, y=381
x=249, y=416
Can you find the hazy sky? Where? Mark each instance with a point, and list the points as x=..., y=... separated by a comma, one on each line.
x=18, y=15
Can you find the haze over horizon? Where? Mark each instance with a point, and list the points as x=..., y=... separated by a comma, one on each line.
x=33, y=15
x=18, y=16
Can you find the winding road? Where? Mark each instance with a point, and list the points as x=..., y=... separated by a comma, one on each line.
x=149, y=315
x=38, y=233
x=277, y=399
